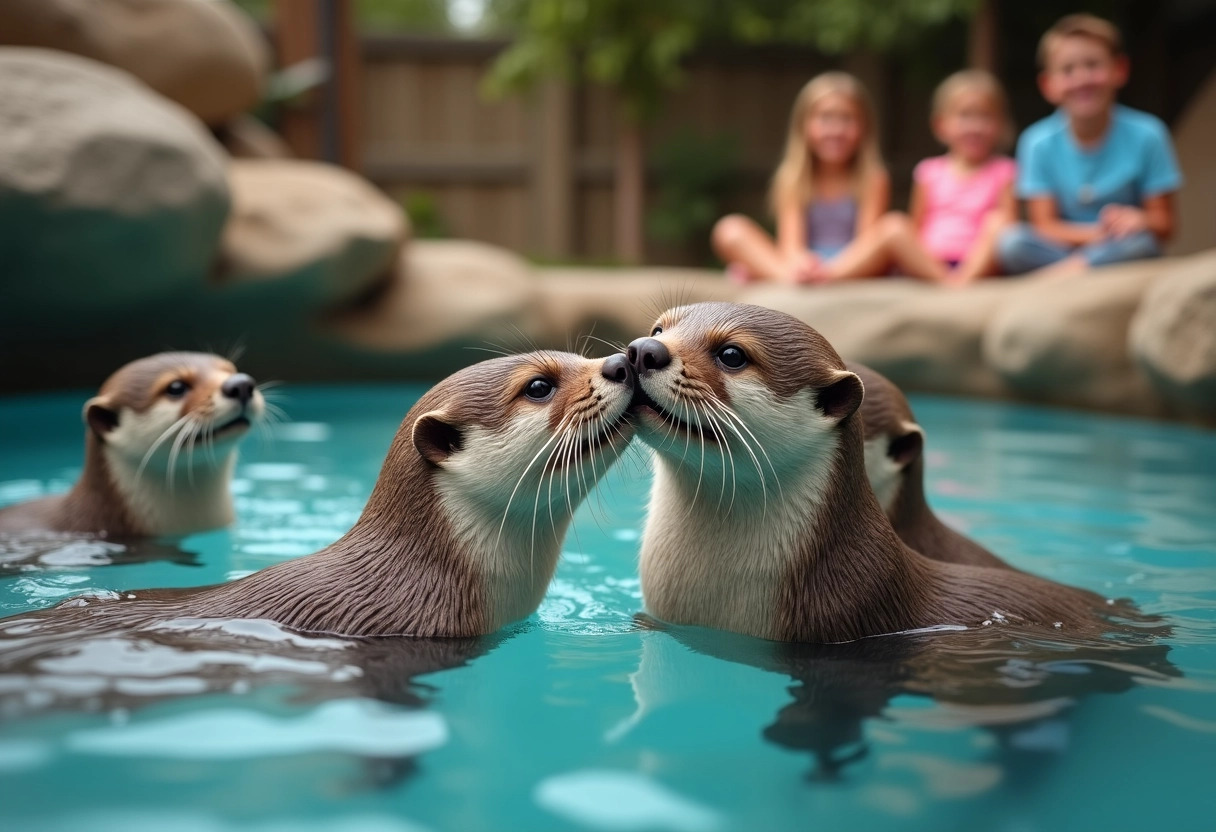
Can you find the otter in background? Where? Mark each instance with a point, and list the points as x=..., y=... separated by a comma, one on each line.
x=895, y=466
x=160, y=446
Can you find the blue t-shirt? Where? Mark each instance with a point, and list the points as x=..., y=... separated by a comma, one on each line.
x=1134, y=161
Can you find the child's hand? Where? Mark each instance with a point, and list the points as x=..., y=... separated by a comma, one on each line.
x=805, y=268
x=1121, y=221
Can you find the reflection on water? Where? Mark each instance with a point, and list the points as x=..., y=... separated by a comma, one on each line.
x=36, y=551
x=1017, y=684
x=585, y=719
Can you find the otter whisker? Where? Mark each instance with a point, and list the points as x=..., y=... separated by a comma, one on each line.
x=727, y=411
x=720, y=435
x=159, y=441
x=174, y=450
x=613, y=345
x=747, y=447
x=507, y=511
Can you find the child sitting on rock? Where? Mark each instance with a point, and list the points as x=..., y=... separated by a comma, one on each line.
x=960, y=201
x=830, y=187
x=1098, y=178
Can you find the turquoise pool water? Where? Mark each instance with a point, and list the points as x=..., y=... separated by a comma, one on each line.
x=580, y=718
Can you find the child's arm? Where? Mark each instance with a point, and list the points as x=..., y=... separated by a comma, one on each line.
x=1045, y=218
x=1155, y=215
x=873, y=202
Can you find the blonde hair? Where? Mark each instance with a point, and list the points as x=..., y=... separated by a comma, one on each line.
x=794, y=179
x=1084, y=26
x=980, y=81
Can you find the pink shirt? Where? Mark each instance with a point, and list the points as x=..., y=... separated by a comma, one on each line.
x=955, y=205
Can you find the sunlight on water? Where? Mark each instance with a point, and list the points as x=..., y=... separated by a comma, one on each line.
x=587, y=717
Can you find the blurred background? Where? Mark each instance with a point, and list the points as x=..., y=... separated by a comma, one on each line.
x=375, y=188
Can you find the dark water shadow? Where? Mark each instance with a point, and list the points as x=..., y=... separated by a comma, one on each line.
x=1019, y=685
x=25, y=552
x=52, y=664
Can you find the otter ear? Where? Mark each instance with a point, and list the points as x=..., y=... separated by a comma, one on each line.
x=436, y=437
x=99, y=416
x=840, y=398
x=905, y=448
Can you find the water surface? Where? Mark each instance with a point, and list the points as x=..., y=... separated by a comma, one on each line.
x=581, y=718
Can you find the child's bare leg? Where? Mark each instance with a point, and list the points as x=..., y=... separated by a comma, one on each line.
x=981, y=259
x=737, y=239
x=891, y=240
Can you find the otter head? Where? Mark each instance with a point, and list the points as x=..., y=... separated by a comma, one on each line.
x=893, y=439
x=740, y=397
x=500, y=454
x=522, y=439
x=173, y=410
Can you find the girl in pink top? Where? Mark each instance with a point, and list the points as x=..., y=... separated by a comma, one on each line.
x=960, y=201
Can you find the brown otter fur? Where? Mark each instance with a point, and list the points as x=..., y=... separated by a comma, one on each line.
x=143, y=425
x=892, y=434
x=795, y=546
x=463, y=529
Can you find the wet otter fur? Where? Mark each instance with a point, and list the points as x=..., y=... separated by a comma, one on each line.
x=463, y=529
x=159, y=451
x=895, y=466
x=761, y=518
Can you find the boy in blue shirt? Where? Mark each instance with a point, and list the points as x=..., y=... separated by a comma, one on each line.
x=1098, y=178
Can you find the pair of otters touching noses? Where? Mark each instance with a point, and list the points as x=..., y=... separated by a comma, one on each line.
x=785, y=505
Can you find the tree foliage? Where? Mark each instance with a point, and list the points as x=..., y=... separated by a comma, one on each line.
x=637, y=46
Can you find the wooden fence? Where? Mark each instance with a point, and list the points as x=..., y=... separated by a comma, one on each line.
x=535, y=172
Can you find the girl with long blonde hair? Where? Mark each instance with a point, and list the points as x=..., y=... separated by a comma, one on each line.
x=830, y=189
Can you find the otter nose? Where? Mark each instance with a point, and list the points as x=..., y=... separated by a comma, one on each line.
x=238, y=386
x=648, y=354
x=616, y=368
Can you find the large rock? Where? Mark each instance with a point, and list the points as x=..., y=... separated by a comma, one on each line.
x=207, y=55
x=1173, y=336
x=922, y=337
x=110, y=195
x=1064, y=340
x=319, y=229
x=451, y=303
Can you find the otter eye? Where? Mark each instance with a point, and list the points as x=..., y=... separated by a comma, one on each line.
x=732, y=358
x=656, y=331
x=538, y=389
x=176, y=389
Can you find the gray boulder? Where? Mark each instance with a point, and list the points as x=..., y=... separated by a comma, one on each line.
x=206, y=55
x=1173, y=336
x=110, y=195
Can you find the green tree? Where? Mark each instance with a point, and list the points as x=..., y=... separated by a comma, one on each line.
x=637, y=47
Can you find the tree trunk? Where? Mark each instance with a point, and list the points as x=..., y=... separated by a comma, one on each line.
x=630, y=190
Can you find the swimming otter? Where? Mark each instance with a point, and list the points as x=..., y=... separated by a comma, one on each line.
x=159, y=450
x=895, y=465
x=756, y=405
x=463, y=529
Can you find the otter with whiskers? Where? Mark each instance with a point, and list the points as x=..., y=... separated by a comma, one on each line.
x=160, y=446
x=755, y=405
x=895, y=466
x=463, y=529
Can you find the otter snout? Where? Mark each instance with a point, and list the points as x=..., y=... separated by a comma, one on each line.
x=618, y=369
x=239, y=386
x=648, y=355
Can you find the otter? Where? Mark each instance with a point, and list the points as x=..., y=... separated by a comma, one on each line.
x=895, y=465
x=160, y=446
x=757, y=406
x=462, y=531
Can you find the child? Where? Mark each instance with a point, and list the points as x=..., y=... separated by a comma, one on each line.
x=960, y=201
x=830, y=186
x=1098, y=178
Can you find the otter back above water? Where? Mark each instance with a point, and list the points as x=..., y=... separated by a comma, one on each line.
x=580, y=720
